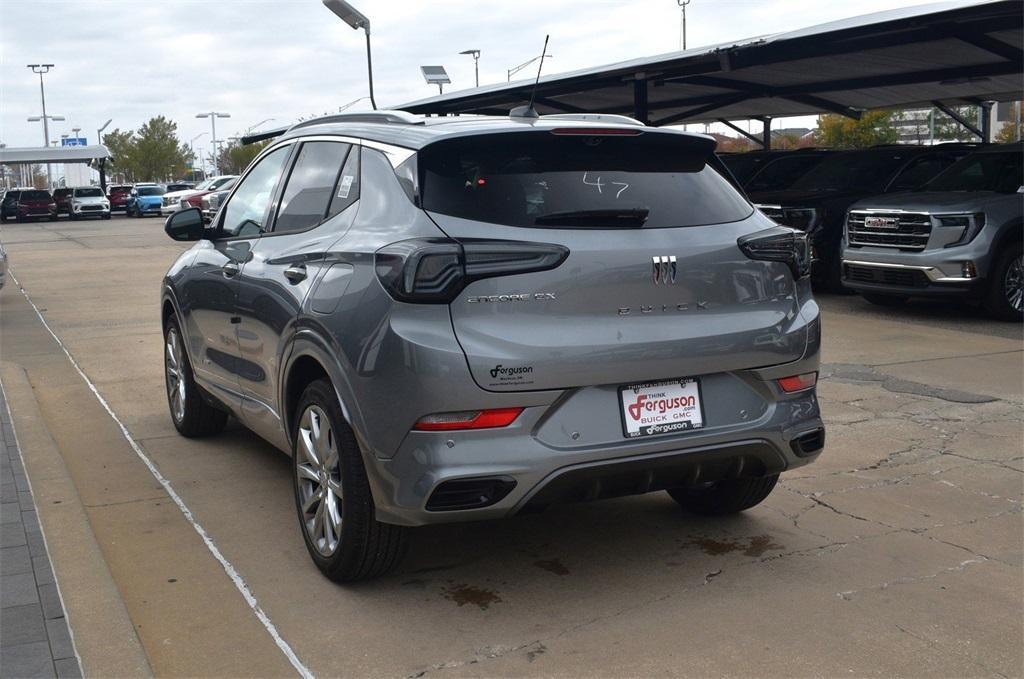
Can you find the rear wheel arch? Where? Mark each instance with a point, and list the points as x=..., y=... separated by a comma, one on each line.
x=302, y=372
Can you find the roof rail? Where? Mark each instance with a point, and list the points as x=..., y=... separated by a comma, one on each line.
x=391, y=117
x=594, y=117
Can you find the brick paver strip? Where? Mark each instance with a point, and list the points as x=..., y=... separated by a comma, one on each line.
x=34, y=637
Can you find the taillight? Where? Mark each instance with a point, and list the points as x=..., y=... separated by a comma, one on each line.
x=779, y=244
x=435, y=270
x=468, y=419
x=796, y=383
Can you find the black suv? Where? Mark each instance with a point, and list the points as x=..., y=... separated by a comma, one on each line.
x=818, y=201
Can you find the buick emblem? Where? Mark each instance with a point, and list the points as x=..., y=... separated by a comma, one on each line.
x=664, y=269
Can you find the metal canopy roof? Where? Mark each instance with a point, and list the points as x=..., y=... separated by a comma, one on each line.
x=43, y=154
x=949, y=52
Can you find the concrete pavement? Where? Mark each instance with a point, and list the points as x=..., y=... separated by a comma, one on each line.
x=898, y=553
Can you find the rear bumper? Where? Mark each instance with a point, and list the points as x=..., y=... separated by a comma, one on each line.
x=438, y=476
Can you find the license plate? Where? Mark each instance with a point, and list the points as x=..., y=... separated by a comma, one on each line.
x=656, y=408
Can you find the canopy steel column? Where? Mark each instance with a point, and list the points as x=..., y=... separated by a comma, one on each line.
x=986, y=121
x=766, y=134
x=640, y=99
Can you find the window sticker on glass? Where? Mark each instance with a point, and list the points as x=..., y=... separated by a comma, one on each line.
x=345, y=185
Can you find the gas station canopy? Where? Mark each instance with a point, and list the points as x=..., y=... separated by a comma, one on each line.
x=949, y=53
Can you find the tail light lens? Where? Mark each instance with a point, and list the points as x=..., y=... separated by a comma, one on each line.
x=779, y=244
x=468, y=419
x=435, y=270
x=796, y=383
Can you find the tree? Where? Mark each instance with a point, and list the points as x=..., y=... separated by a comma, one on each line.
x=1011, y=132
x=122, y=151
x=236, y=157
x=874, y=127
x=157, y=152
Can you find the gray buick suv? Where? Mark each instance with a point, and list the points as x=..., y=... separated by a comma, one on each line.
x=463, y=318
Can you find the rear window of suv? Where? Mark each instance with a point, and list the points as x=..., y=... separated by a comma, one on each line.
x=544, y=180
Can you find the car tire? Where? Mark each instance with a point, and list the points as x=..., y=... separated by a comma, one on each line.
x=725, y=497
x=192, y=415
x=882, y=299
x=1004, y=298
x=106, y=216
x=332, y=494
x=74, y=217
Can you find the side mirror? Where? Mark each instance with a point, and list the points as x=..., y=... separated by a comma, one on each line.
x=185, y=225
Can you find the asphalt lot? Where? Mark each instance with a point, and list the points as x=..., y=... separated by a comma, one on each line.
x=898, y=553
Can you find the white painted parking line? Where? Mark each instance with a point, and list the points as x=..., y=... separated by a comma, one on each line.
x=232, y=573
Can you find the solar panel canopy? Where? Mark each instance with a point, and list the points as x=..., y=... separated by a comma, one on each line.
x=949, y=52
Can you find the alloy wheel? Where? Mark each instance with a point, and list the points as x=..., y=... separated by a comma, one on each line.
x=319, y=480
x=1013, y=284
x=173, y=362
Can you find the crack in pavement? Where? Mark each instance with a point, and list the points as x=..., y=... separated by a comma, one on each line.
x=908, y=579
x=853, y=372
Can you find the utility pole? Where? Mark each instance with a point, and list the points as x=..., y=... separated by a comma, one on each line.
x=682, y=29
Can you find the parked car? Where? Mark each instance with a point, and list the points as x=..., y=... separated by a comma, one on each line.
x=179, y=200
x=745, y=164
x=118, y=196
x=781, y=172
x=145, y=199
x=33, y=204
x=8, y=205
x=960, y=237
x=89, y=201
x=62, y=197
x=211, y=201
x=486, y=317
x=818, y=201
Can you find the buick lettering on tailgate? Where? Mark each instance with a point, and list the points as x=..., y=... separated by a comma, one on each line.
x=661, y=408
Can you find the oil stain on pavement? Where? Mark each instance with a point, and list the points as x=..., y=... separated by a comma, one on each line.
x=752, y=546
x=469, y=594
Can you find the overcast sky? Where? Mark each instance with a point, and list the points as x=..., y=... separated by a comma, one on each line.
x=287, y=59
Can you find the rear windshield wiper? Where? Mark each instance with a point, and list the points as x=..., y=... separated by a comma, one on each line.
x=614, y=218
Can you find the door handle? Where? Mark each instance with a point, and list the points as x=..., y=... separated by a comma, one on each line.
x=295, y=273
x=230, y=269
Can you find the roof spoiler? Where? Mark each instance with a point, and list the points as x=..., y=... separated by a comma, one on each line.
x=263, y=136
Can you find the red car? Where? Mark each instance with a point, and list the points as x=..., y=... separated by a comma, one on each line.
x=35, y=204
x=118, y=195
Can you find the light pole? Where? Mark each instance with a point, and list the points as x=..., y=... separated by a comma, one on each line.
x=192, y=149
x=42, y=69
x=213, y=115
x=515, y=69
x=354, y=18
x=351, y=103
x=476, y=63
x=76, y=130
x=253, y=127
x=99, y=132
x=682, y=30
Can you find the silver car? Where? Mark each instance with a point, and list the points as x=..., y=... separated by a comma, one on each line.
x=446, y=319
x=958, y=238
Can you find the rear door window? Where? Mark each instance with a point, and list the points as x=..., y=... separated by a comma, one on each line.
x=310, y=185
x=920, y=171
x=543, y=180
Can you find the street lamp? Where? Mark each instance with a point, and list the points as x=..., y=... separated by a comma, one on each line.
x=354, y=18
x=253, y=127
x=192, y=149
x=476, y=63
x=213, y=115
x=42, y=69
x=436, y=75
x=515, y=69
x=99, y=132
x=682, y=29
x=76, y=130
